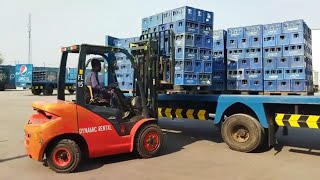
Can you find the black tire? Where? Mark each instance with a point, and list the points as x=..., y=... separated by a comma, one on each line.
x=254, y=133
x=140, y=146
x=2, y=87
x=70, y=147
x=71, y=91
x=48, y=91
x=36, y=91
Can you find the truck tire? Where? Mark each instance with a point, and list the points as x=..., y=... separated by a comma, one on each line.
x=64, y=156
x=47, y=91
x=2, y=87
x=36, y=91
x=242, y=133
x=148, y=141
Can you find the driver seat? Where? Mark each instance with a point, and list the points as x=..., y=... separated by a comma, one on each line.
x=90, y=99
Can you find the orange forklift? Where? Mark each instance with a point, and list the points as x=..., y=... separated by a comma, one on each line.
x=63, y=133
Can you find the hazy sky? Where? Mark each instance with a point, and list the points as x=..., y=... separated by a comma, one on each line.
x=57, y=23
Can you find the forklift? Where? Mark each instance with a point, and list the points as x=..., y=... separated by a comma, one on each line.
x=64, y=133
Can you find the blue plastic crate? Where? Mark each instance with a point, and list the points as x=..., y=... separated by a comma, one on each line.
x=256, y=63
x=220, y=34
x=253, y=52
x=300, y=85
x=184, y=66
x=298, y=38
x=186, y=79
x=218, y=45
x=184, y=13
x=232, y=85
x=273, y=74
x=127, y=86
x=232, y=64
x=186, y=53
x=218, y=74
x=145, y=23
x=244, y=63
x=155, y=20
x=235, y=54
x=270, y=63
x=218, y=85
x=243, y=42
x=208, y=17
x=255, y=30
x=255, y=41
x=184, y=40
x=294, y=26
x=283, y=62
x=205, y=54
x=296, y=50
x=282, y=39
x=276, y=51
x=269, y=41
x=232, y=43
x=235, y=74
x=207, y=66
x=187, y=27
x=272, y=29
x=198, y=67
x=198, y=41
x=244, y=85
x=237, y=32
x=283, y=85
x=162, y=27
x=205, y=79
x=270, y=86
x=208, y=43
x=200, y=15
x=120, y=77
x=127, y=77
x=206, y=29
x=167, y=17
x=298, y=61
x=253, y=74
x=218, y=63
x=256, y=85
x=218, y=54
x=111, y=41
x=295, y=73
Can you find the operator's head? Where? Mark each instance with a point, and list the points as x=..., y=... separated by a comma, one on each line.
x=96, y=65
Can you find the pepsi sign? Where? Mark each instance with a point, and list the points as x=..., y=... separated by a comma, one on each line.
x=23, y=74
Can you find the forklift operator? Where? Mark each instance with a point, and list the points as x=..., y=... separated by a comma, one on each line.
x=102, y=93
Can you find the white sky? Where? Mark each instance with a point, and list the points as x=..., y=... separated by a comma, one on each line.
x=57, y=23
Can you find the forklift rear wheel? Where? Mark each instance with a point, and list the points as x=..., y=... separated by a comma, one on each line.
x=149, y=140
x=64, y=157
x=36, y=91
x=242, y=133
x=48, y=91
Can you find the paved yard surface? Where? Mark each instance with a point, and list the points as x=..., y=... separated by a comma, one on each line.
x=194, y=150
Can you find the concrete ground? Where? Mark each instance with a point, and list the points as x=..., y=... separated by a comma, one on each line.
x=193, y=150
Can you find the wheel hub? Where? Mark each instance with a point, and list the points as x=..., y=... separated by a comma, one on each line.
x=151, y=141
x=240, y=134
x=61, y=157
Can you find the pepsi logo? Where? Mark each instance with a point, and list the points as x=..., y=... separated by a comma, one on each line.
x=23, y=70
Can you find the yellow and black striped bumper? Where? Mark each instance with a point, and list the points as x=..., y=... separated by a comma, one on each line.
x=183, y=113
x=298, y=121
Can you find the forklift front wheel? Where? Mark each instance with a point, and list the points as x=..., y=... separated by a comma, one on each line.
x=149, y=140
x=64, y=157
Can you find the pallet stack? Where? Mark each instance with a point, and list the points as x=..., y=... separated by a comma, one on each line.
x=193, y=42
x=287, y=57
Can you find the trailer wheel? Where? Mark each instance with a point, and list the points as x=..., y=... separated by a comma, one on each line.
x=64, y=157
x=148, y=141
x=2, y=87
x=36, y=91
x=71, y=91
x=48, y=91
x=242, y=133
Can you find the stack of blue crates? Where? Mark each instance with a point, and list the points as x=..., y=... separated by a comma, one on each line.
x=124, y=70
x=287, y=57
x=219, y=60
x=193, y=42
x=244, y=58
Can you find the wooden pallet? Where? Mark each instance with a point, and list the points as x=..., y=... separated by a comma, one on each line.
x=289, y=93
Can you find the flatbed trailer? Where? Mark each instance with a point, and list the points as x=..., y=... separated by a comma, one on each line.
x=247, y=122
